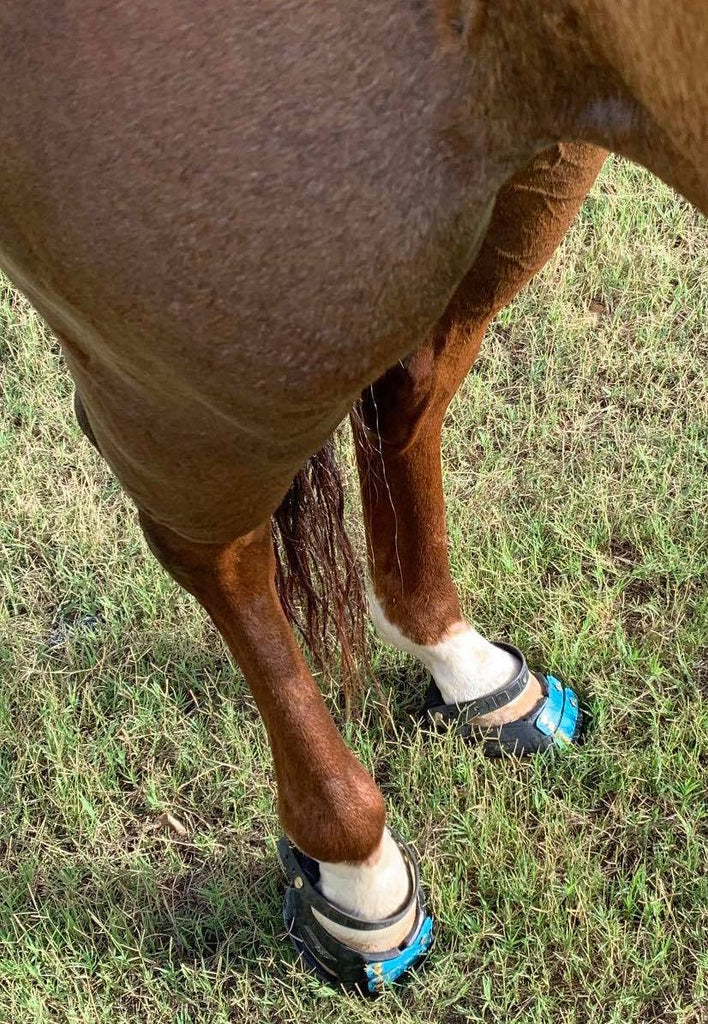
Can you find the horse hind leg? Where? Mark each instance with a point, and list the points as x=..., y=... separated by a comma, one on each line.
x=413, y=600
x=328, y=804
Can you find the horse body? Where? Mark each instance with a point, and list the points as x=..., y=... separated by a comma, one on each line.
x=228, y=246
x=240, y=217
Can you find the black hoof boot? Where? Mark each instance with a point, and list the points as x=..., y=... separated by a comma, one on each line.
x=556, y=721
x=334, y=962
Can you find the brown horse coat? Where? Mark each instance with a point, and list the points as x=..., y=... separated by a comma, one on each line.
x=237, y=215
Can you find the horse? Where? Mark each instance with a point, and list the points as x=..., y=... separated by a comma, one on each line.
x=245, y=222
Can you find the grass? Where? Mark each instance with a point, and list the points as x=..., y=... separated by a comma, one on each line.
x=567, y=890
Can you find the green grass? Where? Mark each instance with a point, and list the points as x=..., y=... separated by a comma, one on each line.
x=568, y=890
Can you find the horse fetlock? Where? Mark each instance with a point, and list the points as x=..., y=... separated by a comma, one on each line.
x=336, y=818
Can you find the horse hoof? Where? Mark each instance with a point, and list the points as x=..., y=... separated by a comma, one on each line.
x=366, y=974
x=556, y=720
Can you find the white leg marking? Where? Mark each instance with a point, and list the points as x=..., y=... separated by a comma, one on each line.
x=463, y=664
x=373, y=890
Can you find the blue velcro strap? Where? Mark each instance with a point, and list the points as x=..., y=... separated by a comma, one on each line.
x=384, y=972
x=559, y=715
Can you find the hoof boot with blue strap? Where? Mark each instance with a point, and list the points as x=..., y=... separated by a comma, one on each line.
x=555, y=721
x=335, y=963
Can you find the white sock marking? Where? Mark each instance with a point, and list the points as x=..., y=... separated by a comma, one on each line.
x=464, y=664
x=373, y=890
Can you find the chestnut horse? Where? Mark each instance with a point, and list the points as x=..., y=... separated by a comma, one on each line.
x=239, y=218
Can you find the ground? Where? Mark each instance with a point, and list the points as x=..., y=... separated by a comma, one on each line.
x=568, y=890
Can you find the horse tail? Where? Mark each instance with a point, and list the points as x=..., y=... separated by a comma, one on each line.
x=318, y=577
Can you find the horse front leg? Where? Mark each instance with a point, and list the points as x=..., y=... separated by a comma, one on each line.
x=413, y=600
x=329, y=806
